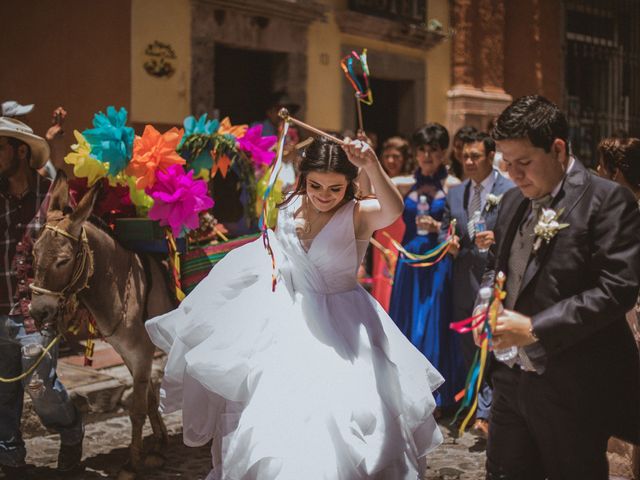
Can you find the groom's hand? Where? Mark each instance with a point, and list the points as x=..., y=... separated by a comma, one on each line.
x=512, y=329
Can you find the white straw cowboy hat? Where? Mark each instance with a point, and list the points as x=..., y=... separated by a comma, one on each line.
x=11, y=108
x=10, y=127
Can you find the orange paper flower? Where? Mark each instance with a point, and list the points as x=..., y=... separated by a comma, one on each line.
x=226, y=128
x=153, y=151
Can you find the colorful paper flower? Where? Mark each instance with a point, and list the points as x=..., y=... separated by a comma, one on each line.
x=84, y=165
x=112, y=202
x=154, y=152
x=111, y=141
x=178, y=199
x=139, y=198
x=237, y=131
x=257, y=146
x=202, y=126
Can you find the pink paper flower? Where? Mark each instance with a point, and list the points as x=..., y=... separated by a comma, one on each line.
x=178, y=199
x=258, y=146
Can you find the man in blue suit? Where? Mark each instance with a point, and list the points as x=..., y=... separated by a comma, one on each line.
x=477, y=197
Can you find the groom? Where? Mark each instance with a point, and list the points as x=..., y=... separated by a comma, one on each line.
x=576, y=380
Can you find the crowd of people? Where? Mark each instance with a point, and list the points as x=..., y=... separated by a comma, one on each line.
x=327, y=381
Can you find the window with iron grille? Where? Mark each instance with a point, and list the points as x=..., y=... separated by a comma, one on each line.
x=602, y=72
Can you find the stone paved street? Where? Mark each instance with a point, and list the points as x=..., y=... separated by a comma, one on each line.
x=106, y=441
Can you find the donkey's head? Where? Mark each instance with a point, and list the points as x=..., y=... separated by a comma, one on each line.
x=62, y=260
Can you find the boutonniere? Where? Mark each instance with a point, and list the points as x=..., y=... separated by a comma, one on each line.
x=547, y=227
x=492, y=202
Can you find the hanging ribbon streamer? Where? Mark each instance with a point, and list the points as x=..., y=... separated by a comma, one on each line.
x=487, y=319
x=389, y=256
x=430, y=258
x=262, y=223
x=174, y=263
x=363, y=92
x=90, y=345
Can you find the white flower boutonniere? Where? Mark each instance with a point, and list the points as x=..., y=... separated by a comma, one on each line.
x=547, y=227
x=492, y=202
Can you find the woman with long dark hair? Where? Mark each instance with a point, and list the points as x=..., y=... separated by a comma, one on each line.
x=313, y=379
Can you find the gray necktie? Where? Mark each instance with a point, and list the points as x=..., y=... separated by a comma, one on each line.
x=474, y=206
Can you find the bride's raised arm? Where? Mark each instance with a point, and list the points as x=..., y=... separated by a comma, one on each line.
x=373, y=214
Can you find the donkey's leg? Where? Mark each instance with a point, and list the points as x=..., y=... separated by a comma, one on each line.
x=155, y=458
x=138, y=359
x=137, y=414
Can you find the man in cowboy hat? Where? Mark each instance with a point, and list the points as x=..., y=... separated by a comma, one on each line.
x=23, y=203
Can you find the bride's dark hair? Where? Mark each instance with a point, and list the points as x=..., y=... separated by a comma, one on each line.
x=324, y=156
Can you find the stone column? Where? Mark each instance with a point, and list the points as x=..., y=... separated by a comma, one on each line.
x=478, y=53
x=491, y=13
x=462, y=61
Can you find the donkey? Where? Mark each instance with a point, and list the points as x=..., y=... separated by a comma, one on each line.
x=120, y=288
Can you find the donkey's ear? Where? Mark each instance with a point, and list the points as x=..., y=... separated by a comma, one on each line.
x=84, y=208
x=59, y=197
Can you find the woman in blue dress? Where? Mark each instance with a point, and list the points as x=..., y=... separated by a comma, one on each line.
x=421, y=296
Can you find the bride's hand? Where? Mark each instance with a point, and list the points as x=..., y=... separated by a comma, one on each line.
x=360, y=153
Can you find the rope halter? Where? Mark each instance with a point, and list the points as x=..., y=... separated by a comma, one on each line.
x=82, y=272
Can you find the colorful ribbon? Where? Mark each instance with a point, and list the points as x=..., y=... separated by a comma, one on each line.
x=487, y=319
x=174, y=263
x=262, y=223
x=363, y=92
x=426, y=259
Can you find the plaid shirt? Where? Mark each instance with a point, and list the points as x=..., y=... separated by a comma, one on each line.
x=20, y=223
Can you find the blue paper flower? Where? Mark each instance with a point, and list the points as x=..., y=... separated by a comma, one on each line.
x=202, y=126
x=111, y=140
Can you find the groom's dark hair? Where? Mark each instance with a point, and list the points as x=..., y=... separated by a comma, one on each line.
x=535, y=118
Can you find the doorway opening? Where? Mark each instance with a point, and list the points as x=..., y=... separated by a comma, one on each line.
x=244, y=80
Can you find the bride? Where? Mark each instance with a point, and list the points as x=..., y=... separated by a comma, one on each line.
x=314, y=380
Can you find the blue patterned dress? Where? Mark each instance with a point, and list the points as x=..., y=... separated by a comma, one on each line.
x=421, y=296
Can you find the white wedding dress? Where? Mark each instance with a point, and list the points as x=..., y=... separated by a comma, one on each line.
x=312, y=381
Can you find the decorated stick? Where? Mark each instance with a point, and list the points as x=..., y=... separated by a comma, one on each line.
x=488, y=319
x=284, y=114
x=359, y=108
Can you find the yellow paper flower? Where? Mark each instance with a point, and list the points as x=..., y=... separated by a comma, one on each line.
x=140, y=200
x=226, y=128
x=153, y=151
x=84, y=165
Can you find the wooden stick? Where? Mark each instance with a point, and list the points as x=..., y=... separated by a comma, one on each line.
x=284, y=114
x=359, y=108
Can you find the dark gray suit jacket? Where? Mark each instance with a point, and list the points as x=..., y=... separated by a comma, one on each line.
x=469, y=264
x=577, y=290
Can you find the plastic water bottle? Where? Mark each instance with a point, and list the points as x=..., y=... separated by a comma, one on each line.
x=31, y=353
x=422, y=212
x=480, y=226
x=504, y=354
x=485, y=296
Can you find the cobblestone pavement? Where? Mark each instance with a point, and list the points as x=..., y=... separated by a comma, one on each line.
x=106, y=451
